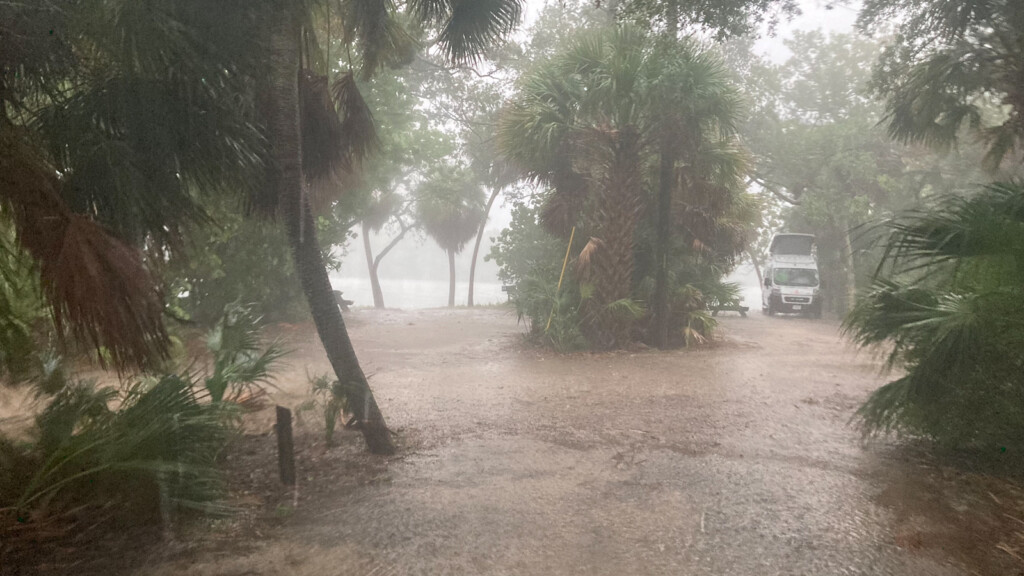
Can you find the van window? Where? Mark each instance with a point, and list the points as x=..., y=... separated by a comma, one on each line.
x=795, y=277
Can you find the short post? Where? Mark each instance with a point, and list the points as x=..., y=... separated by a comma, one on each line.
x=285, y=446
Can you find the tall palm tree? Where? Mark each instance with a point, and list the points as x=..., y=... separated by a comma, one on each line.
x=587, y=122
x=449, y=206
x=578, y=124
x=497, y=173
x=384, y=207
x=697, y=108
x=464, y=29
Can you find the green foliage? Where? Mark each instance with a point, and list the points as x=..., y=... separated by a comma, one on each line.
x=326, y=401
x=946, y=307
x=530, y=260
x=953, y=66
x=22, y=311
x=156, y=449
x=721, y=19
x=552, y=316
x=235, y=259
x=239, y=366
x=141, y=452
x=524, y=249
x=693, y=288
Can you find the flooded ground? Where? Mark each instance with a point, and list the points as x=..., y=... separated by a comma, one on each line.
x=736, y=459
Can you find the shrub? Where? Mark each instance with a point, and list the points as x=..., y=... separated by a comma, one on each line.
x=946, y=307
x=157, y=451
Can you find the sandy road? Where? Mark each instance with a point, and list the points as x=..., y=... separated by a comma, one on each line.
x=736, y=459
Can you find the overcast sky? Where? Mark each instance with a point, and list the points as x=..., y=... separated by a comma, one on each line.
x=815, y=16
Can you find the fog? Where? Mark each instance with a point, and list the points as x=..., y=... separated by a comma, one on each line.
x=415, y=273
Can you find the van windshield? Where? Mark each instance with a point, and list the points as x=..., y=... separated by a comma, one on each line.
x=795, y=277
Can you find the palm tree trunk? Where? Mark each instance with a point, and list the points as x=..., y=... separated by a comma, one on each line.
x=451, y=278
x=371, y=265
x=286, y=179
x=476, y=247
x=615, y=224
x=663, y=239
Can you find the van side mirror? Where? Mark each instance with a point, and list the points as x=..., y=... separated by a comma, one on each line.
x=768, y=282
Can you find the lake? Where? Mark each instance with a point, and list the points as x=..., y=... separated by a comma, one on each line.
x=410, y=294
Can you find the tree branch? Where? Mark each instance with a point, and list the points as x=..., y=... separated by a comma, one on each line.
x=773, y=190
x=394, y=242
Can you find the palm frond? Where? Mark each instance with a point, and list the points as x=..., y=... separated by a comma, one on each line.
x=585, y=260
x=380, y=38
x=97, y=286
x=323, y=151
x=358, y=131
x=468, y=28
x=450, y=205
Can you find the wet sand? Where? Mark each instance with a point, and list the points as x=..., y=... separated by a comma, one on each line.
x=734, y=459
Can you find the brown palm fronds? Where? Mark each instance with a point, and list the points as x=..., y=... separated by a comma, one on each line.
x=98, y=287
x=584, y=262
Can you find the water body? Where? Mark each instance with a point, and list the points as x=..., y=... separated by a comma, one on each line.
x=416, y=294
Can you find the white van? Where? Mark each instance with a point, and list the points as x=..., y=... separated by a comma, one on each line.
x=791, y=283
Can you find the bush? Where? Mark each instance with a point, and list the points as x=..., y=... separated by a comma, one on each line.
x=326, y=401
x=234, y=259
x=239, y=366
x=157, y=451
x=141, y=453
x=946, y=307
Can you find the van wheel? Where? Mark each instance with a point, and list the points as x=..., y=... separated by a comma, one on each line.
x=771, y=309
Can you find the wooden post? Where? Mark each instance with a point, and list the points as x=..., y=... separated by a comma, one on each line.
x=285, y=446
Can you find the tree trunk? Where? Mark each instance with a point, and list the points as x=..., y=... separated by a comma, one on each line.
x=476, y=247
x=662, y=240
x=371, y=265
x=614, y=223
x=285, y=178
x=451, y=278
x=846, y=254
x=757, y=267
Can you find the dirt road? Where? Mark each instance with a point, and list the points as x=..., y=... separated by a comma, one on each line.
x=736, y=459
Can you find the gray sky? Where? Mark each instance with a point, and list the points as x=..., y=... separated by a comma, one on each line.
x=815, y=16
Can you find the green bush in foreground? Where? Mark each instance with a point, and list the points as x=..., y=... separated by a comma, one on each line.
x=947, y=307
x=141, y=453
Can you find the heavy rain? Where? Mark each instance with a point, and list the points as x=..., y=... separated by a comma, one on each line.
x=512, y=287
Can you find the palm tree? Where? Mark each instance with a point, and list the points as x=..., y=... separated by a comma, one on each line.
x=117, y=117
x=105, y=147
x=578, y=124
x=449, y=206
x=698, y=110
x=497, y=173
x=946, y=308
x=953, y=69
x=383, y=208
x=464, y=29
x=586, y=122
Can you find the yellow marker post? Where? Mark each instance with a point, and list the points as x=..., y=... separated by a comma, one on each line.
x=560, y=277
